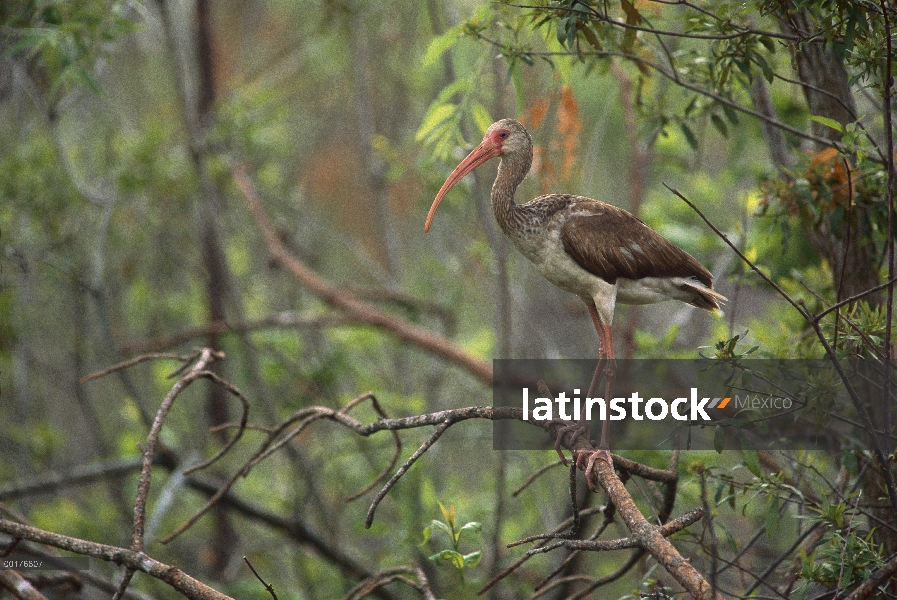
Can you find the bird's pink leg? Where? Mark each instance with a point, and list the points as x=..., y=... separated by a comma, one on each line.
x=607, y=367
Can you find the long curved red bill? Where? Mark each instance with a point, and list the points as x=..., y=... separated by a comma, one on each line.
x=485, y=151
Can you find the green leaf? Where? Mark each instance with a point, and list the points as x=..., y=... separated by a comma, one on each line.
x=472, y=559
x=473, y=526
x=831, y=123
x=731, y=114
x=449, y=514
x=461, y=86
x=437, y=115
x=768, y=73
x=768, y=43
x=751, y=458
x=720, y=125
x=591, y=38
x=481, y=117
x=440, y=526
x=440, y=45
x=633, y=17
x=689, y=135
x=449, y=555
x=849, y=460
x=772, y=519
x=719, y=440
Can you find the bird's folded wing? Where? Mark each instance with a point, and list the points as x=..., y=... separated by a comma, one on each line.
x=609, y=242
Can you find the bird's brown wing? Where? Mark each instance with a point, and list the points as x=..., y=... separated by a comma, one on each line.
x=609, y=242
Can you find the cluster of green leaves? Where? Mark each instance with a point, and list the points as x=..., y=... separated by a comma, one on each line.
x=846, y=555
x=728, y=351
x=67, y=38
x=453, y=555
x=830, y=194
x=852, y=29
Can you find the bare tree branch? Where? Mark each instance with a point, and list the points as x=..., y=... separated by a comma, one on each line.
x=132, y=559
x=359, y=311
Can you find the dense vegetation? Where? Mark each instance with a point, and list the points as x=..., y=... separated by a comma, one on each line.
x=251, y=179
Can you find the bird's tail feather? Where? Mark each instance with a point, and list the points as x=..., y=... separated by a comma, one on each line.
x=703, y=296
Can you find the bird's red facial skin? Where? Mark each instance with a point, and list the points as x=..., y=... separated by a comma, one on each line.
x=489, y=148
x=498, y=137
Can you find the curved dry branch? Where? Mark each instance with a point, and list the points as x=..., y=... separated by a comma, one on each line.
x=241, y=427
x=404, y=469
x=198, y=370
x=383, y=578
x=131, y=559
x=358, y=311
x=281, y=320
x=395, y=436
x=184, y=358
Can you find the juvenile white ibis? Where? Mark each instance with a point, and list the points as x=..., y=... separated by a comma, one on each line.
x=601, y=253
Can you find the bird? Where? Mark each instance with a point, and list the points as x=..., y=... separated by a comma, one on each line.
x=597, y=251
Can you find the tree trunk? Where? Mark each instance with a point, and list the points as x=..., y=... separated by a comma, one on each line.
x=853, y=258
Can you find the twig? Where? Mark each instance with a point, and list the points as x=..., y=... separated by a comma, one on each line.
x=78, y=475
x=197, y=371
x=139, y=561
x=268, y=587
x=708, y=517
x=286, y=319
x=529, y=480
x=520, y=561
x=139, y=359
x=404, y=468
x=359, y=311
x=395, y=436
x=372, y=583
x=854, y=298
x=638, y=540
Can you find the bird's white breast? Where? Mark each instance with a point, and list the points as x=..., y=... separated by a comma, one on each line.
x=547, y=254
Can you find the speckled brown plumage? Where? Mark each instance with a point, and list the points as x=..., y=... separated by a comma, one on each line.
x=600, y=252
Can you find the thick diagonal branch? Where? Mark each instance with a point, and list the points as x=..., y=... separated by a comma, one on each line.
x=358, y=311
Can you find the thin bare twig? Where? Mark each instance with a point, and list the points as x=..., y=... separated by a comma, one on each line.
x=206, y=357
x=184, y=358
x=132, y=559
x=565, y=524
x=404, y=468
x=634, y=541
x=538, y=473
x=268, y=587
x=395, y=436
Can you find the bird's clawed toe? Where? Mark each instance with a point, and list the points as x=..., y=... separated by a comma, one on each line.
x=570, y=432
x=589, y=457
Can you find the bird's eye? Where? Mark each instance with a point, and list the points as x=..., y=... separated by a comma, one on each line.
x=503, y=134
